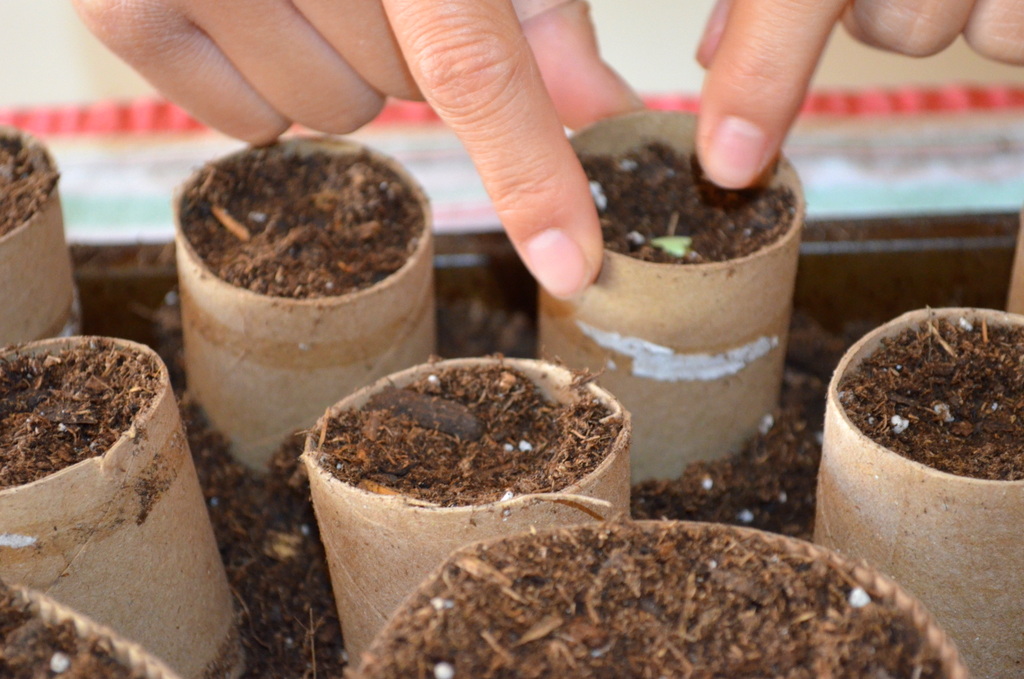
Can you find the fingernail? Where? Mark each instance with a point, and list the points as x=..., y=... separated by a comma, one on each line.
x=737, y=153
x=713, y=33
x=557, y=263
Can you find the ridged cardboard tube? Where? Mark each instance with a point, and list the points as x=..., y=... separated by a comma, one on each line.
x=38, y=292
x=952, y=541
x=125, y=537
x=263, y=366
x=127, y=653
x=1015, y=301
x=505, y=557
x=694, y=351
x=380, y=546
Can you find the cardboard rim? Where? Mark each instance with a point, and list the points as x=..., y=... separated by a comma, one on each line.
x=124, y=442
x=309, y=146
x=29, y=141
x=401, y=502
x=1015, y=297
x=684, y=125
x=860, y=573
x=128, y=653
x=866, y=345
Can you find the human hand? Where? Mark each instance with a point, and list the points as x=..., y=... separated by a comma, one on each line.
x=504, y=74
x=761, y=54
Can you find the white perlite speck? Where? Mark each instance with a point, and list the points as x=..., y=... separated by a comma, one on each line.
x=16, y=541
x=707, y=483
x=600, y=200
x=444, y=670
x=899, y=424
x=525, y=446
x=745, y=516
x=766, y=424
x=60, y=663
x=433, y=380
x=658, y=362
x=636, y=238
x=628, y=164
x=965, y=324
x=507, y=496
x=942, y=410
x=859, y=598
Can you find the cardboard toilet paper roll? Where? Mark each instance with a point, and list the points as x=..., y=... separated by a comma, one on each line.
x=954, y=542
x=380, y=546
x=35, y=266
x=694, y=351
x=127, y=653
x=1015, y=301
x=125, y=537
x=263, y=366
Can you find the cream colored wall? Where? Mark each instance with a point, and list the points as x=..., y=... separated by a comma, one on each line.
x=47, y=57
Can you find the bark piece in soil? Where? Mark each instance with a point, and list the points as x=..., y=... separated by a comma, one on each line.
x=301, y=226
x=59, y=409
x=33, y=649
x=654, y=192
x=947, y=395
x=527, y=444
x=27, y=179
x=680, y=600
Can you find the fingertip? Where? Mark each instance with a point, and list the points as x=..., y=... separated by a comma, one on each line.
x=734, y=152
x=558, y=262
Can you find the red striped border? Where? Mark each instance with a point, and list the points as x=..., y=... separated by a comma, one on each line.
x=149, y=116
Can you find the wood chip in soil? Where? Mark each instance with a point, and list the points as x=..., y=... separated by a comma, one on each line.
x=654, y=192
x=33, y=649
x=301, y=226
x=607, y=600
x=475, y=435
x=947, y=394
x=59, y=409
x=27, y=179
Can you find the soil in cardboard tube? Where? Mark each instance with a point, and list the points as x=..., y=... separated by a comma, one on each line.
x=464, y=436
x=301, y=226
x=59, y=409
x=612, y=601
x=33, y=649
x=654, y=192
x=27, y=179
x=946, y=394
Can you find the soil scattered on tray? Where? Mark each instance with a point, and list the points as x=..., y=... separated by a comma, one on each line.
x=61, y=408
x=33, y=649
x=613, y=601
x=301, y=226
x=946, y=394
x=27, y=179
x=653, y=192
x=464, y=436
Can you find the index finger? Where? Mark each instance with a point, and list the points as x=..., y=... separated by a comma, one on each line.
x=474, y=66
x=756, y=81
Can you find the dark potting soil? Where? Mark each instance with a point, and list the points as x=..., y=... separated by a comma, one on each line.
x=301, y=226
x=33, y=649
x=608, y=600
x=464, y=436
x=654, y=192
x=59, y=409
x=948, y=395
x=27, y=179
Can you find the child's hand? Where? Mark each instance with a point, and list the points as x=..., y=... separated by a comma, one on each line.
x=505, y=78
x=760, y=55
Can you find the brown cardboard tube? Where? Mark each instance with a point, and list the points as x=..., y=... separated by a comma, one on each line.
x=952, y=541
x=125, y=538
x=264, y=366
x=380, y=546
x=378, y=660
x=695, y=351
x=35, y=266
x=129, y=654
x=1015, y=300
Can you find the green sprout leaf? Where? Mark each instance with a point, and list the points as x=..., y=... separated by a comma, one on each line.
x=677, y=246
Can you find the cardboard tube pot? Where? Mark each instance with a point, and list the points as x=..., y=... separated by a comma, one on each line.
x=657, y=598
x=35, y=267
x=263, y=366
x=125, y=537
x=1015, y=301
x=694, y=351
x=380, y=546
x=952, y=541
x=127, y=653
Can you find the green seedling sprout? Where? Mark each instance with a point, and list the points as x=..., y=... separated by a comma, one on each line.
x=677, y=246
